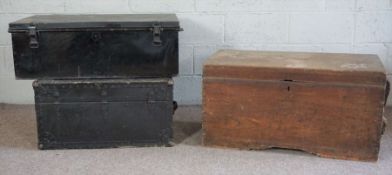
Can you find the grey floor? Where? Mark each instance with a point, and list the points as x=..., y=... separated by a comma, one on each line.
x=19, y=154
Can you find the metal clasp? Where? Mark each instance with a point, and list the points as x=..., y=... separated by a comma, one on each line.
x=33, y=37
x=156, y=30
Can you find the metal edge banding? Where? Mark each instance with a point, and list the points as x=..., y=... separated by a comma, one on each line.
x=94, y=81
x=87, y=29
x=96, y=22
x=55, y=86
x=106, y=144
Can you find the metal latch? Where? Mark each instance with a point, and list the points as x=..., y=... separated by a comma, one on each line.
x=156, y=31
x=33, y=37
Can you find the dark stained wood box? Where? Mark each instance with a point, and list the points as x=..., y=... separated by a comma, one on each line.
x=327, y=104
x=103, y=113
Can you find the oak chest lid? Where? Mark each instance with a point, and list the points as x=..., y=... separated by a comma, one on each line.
x=296, y=66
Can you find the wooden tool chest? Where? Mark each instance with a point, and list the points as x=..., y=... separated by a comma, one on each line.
x=327, y=104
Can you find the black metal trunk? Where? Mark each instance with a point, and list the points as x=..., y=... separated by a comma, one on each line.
x=103, y=113
x=95, y=46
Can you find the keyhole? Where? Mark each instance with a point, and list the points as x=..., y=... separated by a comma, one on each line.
x=288, y=88
x=96, y=36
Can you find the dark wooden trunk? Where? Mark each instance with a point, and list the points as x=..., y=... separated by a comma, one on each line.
x=327, y=104
x=95, y=46
x=103, y=113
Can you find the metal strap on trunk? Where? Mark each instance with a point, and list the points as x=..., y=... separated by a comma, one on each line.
x=156, y=30
x=33, y=37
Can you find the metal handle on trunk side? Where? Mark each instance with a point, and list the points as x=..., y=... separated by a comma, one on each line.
x=384, y=120
x=387, y=90
x=175, y=106
x=384, y=124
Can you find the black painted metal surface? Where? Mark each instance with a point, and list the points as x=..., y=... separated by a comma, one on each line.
x=95, y=46
x=103, y=113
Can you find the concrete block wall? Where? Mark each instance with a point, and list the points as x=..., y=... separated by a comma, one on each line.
x=358, y=26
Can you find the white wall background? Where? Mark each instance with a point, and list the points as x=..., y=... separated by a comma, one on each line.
x=360, y=26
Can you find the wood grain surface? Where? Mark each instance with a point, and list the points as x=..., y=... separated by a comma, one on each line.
x=326, y=114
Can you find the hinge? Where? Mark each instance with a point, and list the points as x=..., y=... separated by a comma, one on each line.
x=156, y=31
x=33, y=37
